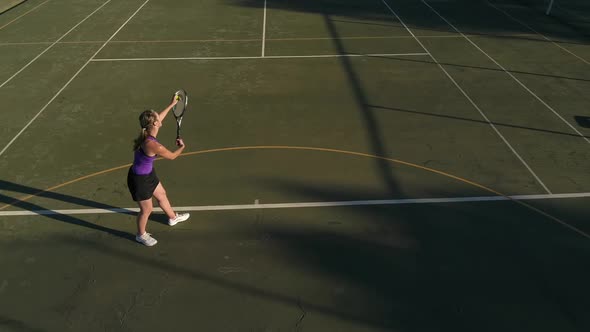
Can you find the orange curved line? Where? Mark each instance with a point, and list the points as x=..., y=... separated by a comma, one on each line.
x=263, y=147
x=287, y=147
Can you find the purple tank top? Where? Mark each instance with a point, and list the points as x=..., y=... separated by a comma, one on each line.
x=142, y=163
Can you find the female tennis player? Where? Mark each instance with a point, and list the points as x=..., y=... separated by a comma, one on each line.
x=142, y=179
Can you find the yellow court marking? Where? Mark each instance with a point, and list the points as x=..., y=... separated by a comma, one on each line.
x=307, y=148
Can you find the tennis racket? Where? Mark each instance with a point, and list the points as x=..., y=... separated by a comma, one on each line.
x=179, y=109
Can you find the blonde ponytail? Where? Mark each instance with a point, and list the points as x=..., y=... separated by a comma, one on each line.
x=146, y=120
x=140, y=138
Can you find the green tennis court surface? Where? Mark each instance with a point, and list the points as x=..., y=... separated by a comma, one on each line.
x=350, y=166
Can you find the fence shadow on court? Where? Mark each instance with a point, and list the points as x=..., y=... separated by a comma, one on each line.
x=447, y=268
x=16, y=325
x=440, y=267
x=568, y=22
x=582, y=121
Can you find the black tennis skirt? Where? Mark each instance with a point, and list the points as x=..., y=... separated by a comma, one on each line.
x=142, y=187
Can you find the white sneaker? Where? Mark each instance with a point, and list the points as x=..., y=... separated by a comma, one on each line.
x=180, y=217
x=146, y=239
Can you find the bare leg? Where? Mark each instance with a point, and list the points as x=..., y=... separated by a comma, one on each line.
x=145, y=209
x=160, y=195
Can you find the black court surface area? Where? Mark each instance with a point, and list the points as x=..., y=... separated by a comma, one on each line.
x=374, y=165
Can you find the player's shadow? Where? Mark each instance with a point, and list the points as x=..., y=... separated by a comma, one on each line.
x=68, y=219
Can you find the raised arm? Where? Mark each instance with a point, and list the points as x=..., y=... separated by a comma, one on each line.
x=168, y=108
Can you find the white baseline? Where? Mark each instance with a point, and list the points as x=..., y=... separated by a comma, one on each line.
x=307, y=204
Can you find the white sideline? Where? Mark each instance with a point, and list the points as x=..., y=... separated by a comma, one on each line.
x=70, y=81
x=53, y=44
x=471, y=101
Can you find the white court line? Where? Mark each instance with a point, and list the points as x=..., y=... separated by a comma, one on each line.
x=306, y=204
x=510, y=74
x=68, y=82
x=253, y=40
x=39, y=5
x=264, y=29
x=472, y=102
x=259, y=57
x=55, y=42
x=536, y=32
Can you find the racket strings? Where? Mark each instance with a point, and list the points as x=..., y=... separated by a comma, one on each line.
x=180, y=106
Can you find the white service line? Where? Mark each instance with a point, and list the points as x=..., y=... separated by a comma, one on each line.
x=472, y=102
x=536, y=32
x=510, y=74
x=257, y=205
x=259, y=57
x=39, y=5
x=454, y=36
x=53, y=44
x=69, y=81
x=264, y=30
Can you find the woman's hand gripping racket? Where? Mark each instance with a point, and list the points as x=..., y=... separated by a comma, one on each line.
x=178, y=110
